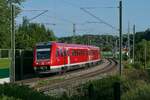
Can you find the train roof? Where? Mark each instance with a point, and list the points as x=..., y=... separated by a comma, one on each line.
x=68, y=45
x=77, y=45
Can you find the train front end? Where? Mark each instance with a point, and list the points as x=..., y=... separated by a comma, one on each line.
x=42, y=57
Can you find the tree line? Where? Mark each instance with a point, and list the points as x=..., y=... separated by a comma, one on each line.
x=27, y=33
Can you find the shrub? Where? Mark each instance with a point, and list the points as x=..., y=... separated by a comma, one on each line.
x=8, y=98
x=127, y=66
x=134, y=74
x=22, y=92
x=140, y=93
x=137, y=65
x=99, y=89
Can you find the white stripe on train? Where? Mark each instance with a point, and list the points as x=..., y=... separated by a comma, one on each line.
x=60, y=66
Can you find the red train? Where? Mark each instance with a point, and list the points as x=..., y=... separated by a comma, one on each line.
x=53, y=57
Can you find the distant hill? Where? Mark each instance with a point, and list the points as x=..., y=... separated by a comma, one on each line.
x=103, y=41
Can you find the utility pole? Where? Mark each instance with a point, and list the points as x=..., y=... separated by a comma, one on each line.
x=12, y=68
x=145, y=53
x=129, y=40
x=120, y=34
x=116, y=48
x=74, y=33
x=133, y=44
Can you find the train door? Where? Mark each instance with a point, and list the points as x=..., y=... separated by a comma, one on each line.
x=65, y=56
x=68, y=56
x=58, y=62
x=89, y=54
x=61, y=56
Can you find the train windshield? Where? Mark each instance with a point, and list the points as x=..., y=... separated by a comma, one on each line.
x=43, y=52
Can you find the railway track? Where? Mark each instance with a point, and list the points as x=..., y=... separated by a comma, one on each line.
x=71, y=82
x=31, y=81
x=59, y=83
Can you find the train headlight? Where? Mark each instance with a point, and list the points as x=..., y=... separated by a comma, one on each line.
x=35, y=68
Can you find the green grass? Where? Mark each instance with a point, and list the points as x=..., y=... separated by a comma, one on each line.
x=4, y=68
x=4, y=73
x=4, y=63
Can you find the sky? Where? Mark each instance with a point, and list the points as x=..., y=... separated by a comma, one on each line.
x=63, y=13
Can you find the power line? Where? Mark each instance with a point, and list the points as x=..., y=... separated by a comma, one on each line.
x=33, y=10
x=109, y=7
x=102, y=21
x=94, y=22
x=84, y=9
x=45, y=11
x=38, y=15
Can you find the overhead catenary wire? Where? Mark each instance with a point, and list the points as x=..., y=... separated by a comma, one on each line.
x=38, y=15
x=100, y=7
x=99, y=19
x=84, y=9
x=43, y=11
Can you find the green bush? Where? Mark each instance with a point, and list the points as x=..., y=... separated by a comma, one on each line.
x=127, y=66
x=8, y=98
x=98, y=90
x=22, y=92
x=137, y=65
x=135, y=74
x=140, y=93
x=135, y=85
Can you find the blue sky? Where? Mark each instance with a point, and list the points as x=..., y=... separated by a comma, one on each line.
x=65, y=12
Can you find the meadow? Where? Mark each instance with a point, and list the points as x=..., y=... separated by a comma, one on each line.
x=4, y=67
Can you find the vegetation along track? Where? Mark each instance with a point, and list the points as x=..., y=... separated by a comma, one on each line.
x=52, y=87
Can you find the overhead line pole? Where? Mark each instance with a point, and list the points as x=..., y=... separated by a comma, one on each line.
x=145, y=54
x=129, y=40
x=120, y=34
x=74, y=33
x=12, y=68
x=133, y=44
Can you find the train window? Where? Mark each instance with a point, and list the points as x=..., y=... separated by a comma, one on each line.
x=77, y=52
x=57, y=52
x=72, y=52
x=83, y=52
x=61, y=52
x=65, y=52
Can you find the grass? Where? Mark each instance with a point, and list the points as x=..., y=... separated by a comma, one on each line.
x=4, y=68
x=4, y=63
x=4, y=73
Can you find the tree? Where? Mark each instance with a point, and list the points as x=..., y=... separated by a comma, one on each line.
x=28, y=34
x=140, y=52
x=5, y=21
